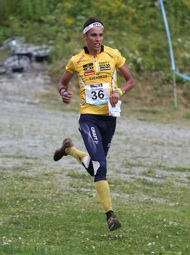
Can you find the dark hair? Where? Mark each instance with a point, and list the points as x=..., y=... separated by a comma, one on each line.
x=92, y=20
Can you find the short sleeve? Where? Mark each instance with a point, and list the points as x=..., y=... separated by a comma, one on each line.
x=119, y=59
x=70, y=67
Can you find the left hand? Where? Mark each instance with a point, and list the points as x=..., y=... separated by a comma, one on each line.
x=114, y=97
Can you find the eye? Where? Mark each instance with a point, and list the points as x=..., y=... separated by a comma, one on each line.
x=94, y=35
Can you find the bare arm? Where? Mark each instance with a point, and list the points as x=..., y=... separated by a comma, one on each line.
x=128, y=84
x=63, y=87
x=129, y=81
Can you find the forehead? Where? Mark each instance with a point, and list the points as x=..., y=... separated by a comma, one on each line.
x=96, y=30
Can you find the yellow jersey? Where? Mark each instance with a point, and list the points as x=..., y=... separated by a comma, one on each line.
x=97, y=78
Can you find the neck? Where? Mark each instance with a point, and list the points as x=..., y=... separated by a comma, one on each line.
x=92, y=51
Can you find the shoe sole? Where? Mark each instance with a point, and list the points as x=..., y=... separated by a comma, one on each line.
x=59, y=153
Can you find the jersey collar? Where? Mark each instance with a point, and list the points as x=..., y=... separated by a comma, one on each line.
x=87, y=51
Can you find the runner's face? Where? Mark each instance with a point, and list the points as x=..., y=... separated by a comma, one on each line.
x=94, y=38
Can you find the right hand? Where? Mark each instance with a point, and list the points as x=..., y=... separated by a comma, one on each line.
x=66, y=96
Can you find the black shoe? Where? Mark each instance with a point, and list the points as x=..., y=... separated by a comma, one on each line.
x=59, y=153
x=113, y=223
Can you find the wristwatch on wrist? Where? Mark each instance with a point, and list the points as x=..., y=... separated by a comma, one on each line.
x=62, y=90
x=118, y=90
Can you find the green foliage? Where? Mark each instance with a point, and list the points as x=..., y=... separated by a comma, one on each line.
x=7, y=8
x=134, y=27
x=35, y=10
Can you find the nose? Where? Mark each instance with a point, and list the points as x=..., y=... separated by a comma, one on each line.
x=98, y=38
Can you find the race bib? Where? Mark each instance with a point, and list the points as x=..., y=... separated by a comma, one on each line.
x=97, y=94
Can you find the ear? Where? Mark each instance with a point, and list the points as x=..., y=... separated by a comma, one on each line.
x=84, y=37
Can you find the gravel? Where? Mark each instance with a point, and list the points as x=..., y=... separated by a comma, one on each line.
x=29, y=135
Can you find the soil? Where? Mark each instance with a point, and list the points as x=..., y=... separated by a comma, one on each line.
x=29, y=135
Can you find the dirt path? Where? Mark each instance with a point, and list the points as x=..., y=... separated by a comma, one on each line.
x=29, y=134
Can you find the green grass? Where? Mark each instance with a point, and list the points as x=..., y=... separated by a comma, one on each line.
x=44, y=211
x=41, y=215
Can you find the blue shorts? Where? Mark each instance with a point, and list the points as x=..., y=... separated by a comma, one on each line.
x=97, y=132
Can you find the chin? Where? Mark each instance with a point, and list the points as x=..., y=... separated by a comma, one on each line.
x=97, y=49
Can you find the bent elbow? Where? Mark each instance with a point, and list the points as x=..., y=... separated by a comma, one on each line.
x=133, y=83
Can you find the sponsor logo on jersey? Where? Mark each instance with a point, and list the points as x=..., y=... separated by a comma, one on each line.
x=98, y=77
x=88, y=69
x=104, y=66
x=80, y=59
x=89, y=73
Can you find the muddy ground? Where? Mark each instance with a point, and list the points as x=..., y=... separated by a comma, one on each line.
x=29, y=134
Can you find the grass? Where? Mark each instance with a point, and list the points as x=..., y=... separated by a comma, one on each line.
x=44, y=211
x=40, y=215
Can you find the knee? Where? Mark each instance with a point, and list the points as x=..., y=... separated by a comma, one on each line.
x=100, y=170
x=89, y=168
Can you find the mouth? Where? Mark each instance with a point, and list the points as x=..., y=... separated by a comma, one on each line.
x=97, y=45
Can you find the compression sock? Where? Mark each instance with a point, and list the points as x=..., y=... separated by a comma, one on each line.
x=79, y=155
x=103, y=190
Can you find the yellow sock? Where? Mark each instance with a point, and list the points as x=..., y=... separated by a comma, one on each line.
x=103, y=190
x=79, y=155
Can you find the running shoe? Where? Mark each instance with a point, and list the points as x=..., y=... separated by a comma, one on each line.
x=59, y=153
x=113, y=223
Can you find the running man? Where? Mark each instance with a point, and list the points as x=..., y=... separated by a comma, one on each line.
x=96, y=66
